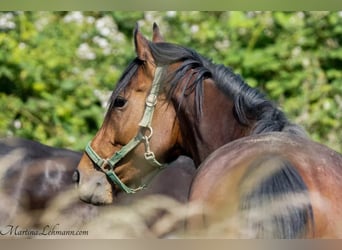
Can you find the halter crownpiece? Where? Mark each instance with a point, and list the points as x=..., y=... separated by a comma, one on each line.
x=108, y=165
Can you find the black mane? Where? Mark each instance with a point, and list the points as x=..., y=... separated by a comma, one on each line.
x=250, y=105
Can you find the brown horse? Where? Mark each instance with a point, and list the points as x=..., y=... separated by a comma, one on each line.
x=170, y=100
x=34, y=177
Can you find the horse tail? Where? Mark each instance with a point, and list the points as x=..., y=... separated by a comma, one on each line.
x=275, y=205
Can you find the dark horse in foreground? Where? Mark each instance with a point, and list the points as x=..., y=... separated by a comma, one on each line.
x=169, y=101
x=34, y=176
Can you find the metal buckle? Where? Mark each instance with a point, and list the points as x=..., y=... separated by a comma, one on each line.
x=151, y=100
x=105, y=164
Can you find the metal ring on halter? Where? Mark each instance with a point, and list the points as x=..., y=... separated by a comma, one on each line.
x=147, y=137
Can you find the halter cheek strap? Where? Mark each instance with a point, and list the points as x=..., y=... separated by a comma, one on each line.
x=108, y=165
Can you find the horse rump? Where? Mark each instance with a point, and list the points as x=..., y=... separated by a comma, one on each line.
x=275, y=204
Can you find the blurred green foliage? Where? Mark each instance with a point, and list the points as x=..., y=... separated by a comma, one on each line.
x=58, y=68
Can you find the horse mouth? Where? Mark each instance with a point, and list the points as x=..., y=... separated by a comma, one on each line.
x=95, y=200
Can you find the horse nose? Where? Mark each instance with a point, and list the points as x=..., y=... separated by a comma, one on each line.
x=95, y=189
x=76, y=176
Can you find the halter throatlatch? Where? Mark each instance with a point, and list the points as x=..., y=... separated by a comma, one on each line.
x=144, y=135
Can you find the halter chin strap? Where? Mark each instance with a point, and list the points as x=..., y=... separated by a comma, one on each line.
x=108, y=165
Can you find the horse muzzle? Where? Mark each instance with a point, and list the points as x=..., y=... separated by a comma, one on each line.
x=95, y=189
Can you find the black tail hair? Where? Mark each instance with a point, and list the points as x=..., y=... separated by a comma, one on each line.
x=276, y=204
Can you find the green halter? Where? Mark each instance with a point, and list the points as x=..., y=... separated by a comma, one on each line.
x=145, y=124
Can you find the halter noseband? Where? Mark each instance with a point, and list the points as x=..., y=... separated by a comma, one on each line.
x=108, y=165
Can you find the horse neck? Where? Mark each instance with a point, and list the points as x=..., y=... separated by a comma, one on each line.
x=215, y=126
x=223, y=120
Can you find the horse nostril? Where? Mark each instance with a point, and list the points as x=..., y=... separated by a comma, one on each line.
x=76, y=176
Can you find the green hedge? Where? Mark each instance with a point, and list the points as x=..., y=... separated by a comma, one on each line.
x=57, y=68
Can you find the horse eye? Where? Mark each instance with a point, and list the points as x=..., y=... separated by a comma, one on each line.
x=119, y=102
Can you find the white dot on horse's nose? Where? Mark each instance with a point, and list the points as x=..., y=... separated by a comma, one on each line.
x=76, y=176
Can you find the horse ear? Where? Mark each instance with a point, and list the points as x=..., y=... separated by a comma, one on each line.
x=157, y=37
x=142, y=48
